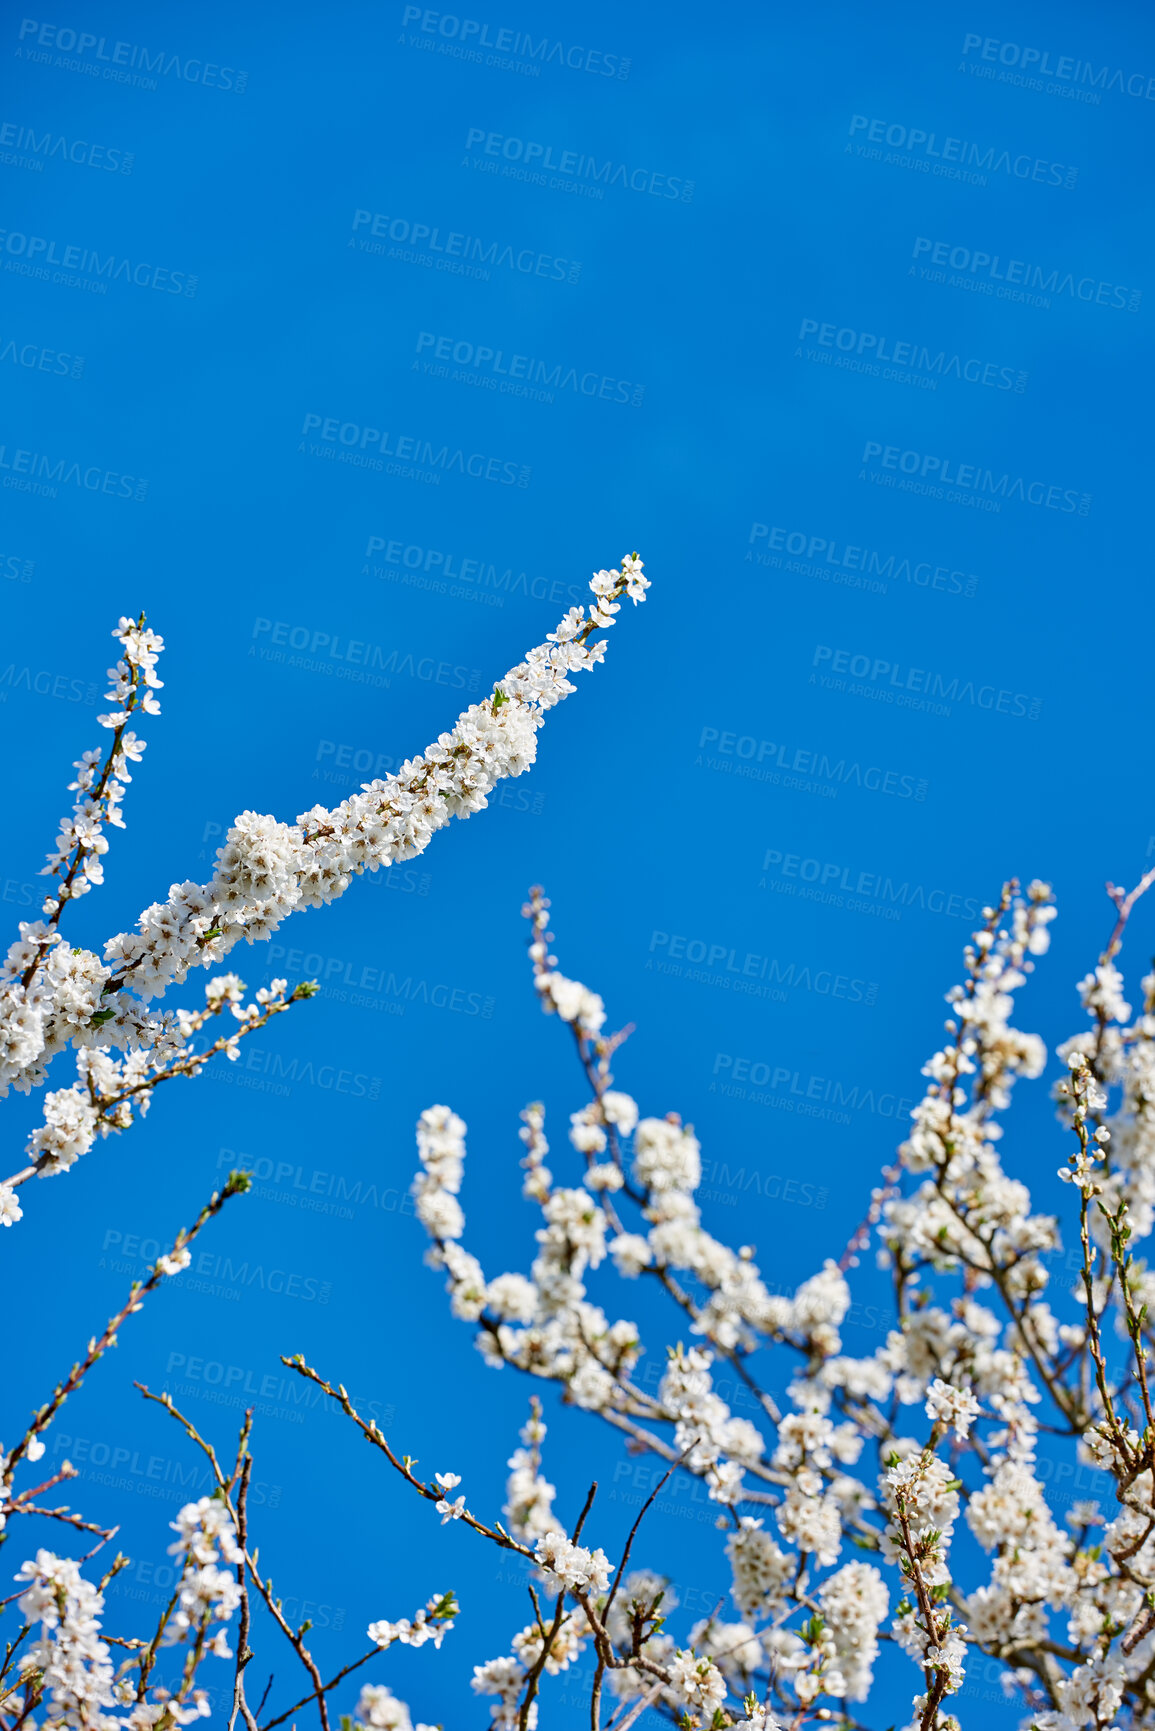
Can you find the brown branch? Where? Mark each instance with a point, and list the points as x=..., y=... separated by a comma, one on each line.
x=354, y=1665
x=235, y=1185
x=371, y=1434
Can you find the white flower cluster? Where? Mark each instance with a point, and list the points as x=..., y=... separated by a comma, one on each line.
x=577, y=1569
x=504, y=1678
x=529, y=1494
x=49, y=991
x=68, y=1668
x=77, y=857
x=431, y=1623
x=207, y=1593
x=379, y=1709
x=111, y=1092
x=78, y=1673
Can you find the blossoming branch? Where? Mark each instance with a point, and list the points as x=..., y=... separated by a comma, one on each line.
x=54, y=995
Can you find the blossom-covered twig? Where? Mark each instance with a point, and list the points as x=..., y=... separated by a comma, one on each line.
x=113, y=1092
x=76, y=858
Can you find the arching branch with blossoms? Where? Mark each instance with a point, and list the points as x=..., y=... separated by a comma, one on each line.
x=54, y=995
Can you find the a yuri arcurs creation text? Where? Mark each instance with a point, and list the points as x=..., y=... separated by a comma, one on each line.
x=894, y=1498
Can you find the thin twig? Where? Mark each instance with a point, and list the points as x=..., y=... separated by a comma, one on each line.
x=235, y=1185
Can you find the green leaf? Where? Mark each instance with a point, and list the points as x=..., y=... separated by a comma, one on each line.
x=102, y=1016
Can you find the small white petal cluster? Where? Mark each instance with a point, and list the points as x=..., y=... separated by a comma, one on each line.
x=697, y=1683
x=206, y=1538
x=854, y=1603
x=76, y=1663
x=378, y=1709
x=431, y=1623
x=529, y=1494
x=49, y=991
x=573, y=1002
x=72, y=1665
x=112, y=1092
x=541, y=1323
x=577, y=1569
x=564, y=1647
x=504, y=1678
x=956, y=1408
